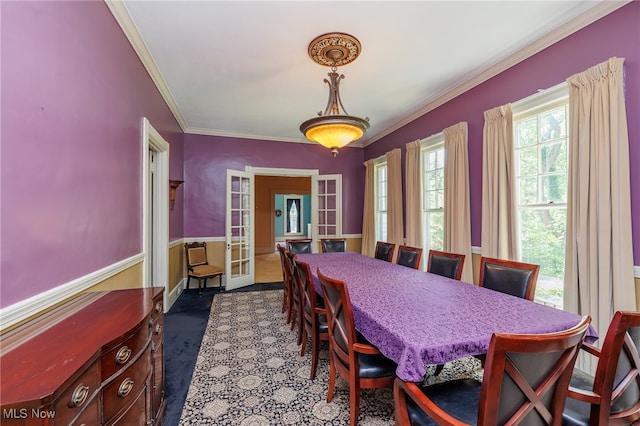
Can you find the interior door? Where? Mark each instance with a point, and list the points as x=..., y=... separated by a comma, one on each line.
x=239, y=264
x=326, y=193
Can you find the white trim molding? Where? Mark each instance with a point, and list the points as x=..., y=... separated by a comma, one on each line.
x=123, y=18
x=34, y=305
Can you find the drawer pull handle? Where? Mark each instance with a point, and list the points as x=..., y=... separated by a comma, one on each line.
x=158, y=307
x=158, y=329
x=79, y=395
x=123, y=355
x=125, y=387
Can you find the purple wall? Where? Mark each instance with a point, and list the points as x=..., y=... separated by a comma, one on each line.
x=73, y=97
x=617, y=34
x=206, y=159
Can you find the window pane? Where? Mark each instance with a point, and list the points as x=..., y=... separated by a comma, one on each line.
x=527, y=132
x=553, y=157
x=528, y=190
x=554, y=188
x=543, y=243
x=552, y=125
x=528, y=161
x=435, y=229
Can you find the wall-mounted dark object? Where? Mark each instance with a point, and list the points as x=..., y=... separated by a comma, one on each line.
x=173, y=185
x=278, y=212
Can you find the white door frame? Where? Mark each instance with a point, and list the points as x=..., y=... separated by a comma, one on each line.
x=269, y=171
x=155, y=214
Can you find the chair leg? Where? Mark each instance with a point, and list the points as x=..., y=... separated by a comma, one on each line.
x=188, y=281
x=290, y=307
x=305, y=336
x=439, y=368
x=220, y=284
x=354, y=402
x=301, y=325
x=315, y=350
x=284, y=297
x=332, y=379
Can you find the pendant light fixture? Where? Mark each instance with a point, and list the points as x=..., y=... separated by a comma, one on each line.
x=334, y=128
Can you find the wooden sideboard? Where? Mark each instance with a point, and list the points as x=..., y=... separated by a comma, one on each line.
x=97, y=360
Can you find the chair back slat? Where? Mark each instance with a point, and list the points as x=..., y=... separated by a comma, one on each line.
x=384, y=251
x=342, y=332
x=302, y=245
x=509, y=277
x=333, y=245
x=617, y=376
x=526, y=377
x=409, y=256
x=445, y=264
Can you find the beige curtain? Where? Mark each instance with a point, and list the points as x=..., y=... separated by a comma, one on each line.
x=413, y=196
x=368, y=215
x=599, y=253
x=499, y=237
x=395, y=227
x=457, y=208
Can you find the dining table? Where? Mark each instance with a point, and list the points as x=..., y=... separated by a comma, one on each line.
x=417, y=318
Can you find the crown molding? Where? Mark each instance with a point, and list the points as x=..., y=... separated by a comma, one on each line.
x=123, y=18
x=602, y=9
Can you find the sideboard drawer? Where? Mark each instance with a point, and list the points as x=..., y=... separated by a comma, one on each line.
x=118, y=357
x=122, y=392
x=158, y=307
x=135, y=414
x=90, y=415
x=81, y=393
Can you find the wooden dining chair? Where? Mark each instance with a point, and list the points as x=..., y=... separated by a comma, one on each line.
x=288, y=283
x=525, y=382
x=314, y=320
x=384, y=251
x=508, y=276
x=358, y=362
x=296, y=297
x=300, y=245
x=445, y=264
x=612, y=396
x=285, y=284
x=409, y=256
x=198, y=267
x=333, y=245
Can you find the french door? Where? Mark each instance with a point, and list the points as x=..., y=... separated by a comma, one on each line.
x=239, y=262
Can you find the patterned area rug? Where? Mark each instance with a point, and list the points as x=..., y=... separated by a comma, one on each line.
x=249, y=372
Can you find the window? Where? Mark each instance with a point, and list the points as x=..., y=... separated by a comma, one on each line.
x=293, y=215
x=380, y=191
x=540, y=143
x=433, y=193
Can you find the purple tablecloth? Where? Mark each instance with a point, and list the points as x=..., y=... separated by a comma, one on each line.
x=416, y=318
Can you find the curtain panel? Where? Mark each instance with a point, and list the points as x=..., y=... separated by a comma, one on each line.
x=414, y=195
x=395, y=224
x=499, y=228
x=599, y=252
x=368, y=215
x=457, y=207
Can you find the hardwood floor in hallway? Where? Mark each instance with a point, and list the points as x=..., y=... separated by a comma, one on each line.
x=268, y=268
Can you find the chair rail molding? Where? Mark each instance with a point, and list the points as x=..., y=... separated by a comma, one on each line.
x=39, y=303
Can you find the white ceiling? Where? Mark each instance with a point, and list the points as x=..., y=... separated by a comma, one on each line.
x=241, y=68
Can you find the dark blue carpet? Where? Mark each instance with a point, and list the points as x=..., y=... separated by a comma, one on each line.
x=184, y=326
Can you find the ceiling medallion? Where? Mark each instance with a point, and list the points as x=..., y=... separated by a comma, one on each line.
x=334, y=49
x=334, y=129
